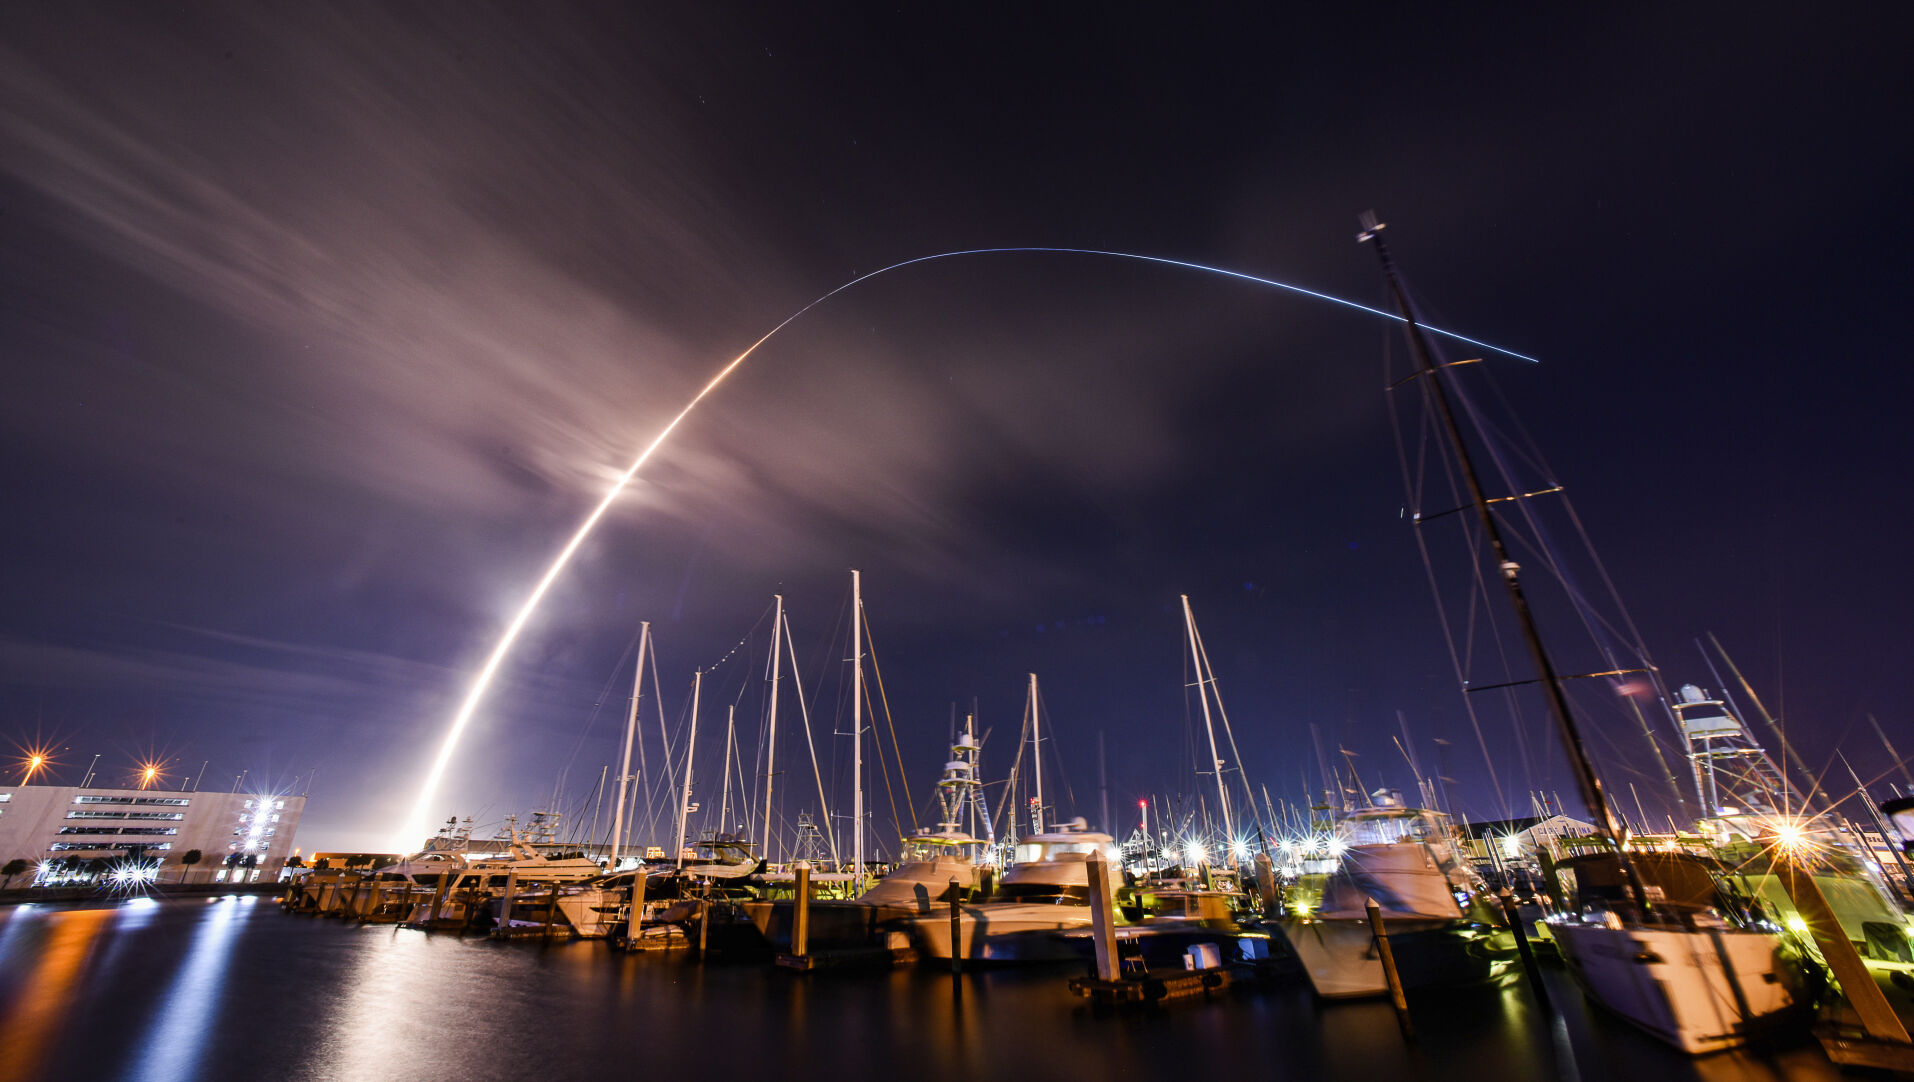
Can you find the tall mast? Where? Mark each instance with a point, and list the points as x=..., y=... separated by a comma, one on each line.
x=691, y=749
x=857, y=728
x=1571, y=736
x=1202, y=693
x=771, y=741
x=730, y=740
x=1036, y=753
x=631, y=731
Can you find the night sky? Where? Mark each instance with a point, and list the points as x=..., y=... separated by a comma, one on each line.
x=323, y=328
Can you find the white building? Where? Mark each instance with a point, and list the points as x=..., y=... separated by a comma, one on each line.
x=43, y=822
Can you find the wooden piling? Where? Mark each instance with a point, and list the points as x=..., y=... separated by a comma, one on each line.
x=551, y=911
x=1266, y=884
x=1381, y=932
x=956, y=930
x=1857, y=984
x=635, y=912
x=801, y=925
x=704, y=920
x=504, y=924
x=1510, y=913
x=438, y=898
x=1103, y=917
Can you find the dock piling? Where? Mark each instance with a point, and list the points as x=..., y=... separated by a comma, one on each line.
x=1381, y=932
x=1102, y=918
x=801, y=926
x=956, y=930
x=1510, y=913
x=1266, y=884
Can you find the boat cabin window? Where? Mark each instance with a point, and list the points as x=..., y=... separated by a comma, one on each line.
x=1042, y=893
x=1389, y=829
x=1030, y=852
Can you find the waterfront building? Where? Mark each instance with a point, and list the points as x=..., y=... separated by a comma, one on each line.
x=241, y=836
x=1521, y=840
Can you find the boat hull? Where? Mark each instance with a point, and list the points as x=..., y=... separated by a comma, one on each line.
x=1342, y=962
x=1002, y=932
x=1686, y=987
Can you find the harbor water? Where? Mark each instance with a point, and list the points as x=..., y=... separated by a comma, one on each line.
x=228, y=987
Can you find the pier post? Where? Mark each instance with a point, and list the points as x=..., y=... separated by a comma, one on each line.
x=1266, y=884
x=801, y=925
x=504, y=925
x=1389, y=973
x=1102, y=918
x=704, y=920
x=635, y=912
x=551, y=910
x=1511, y=914
x=352, y=897
x=956, y=929
x=438, y=898
x=1857, y=984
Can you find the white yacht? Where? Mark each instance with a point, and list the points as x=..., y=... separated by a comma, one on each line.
x=935, y=862
x=1044, y=892
x=1405, y=859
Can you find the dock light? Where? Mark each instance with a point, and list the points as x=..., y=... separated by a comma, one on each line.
x=1194, y=853
x=1337, y=846
x=1239, y=850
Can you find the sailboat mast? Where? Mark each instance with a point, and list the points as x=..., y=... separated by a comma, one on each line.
x=631, y=731
x=1590, y=785
x=691, y=749
x=771, y=741
x=1036, y=753
x=857, y=727
x=730, y=741
x=1202, y=693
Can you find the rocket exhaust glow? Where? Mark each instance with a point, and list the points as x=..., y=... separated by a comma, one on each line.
x=417, y=825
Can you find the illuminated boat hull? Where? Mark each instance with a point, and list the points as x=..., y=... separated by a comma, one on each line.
x=1699, y=991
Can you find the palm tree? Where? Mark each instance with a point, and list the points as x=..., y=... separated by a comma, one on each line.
x=13, y=868
x=189, y=858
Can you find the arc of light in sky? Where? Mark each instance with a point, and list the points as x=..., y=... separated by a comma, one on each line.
x=417, y=824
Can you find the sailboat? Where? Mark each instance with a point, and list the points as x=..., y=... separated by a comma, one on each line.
x=1679, y=973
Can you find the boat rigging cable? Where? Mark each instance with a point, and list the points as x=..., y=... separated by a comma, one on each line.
x=417, y=824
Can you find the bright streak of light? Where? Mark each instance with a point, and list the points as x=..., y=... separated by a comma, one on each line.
x=418, y=824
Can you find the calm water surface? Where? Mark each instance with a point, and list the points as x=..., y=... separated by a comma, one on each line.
x=230, y=988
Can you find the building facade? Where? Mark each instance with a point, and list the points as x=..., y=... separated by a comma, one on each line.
x=44, y=823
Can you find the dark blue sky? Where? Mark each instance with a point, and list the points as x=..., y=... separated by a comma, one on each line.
x=324, y=331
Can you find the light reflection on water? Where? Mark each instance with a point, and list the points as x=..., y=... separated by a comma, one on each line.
x=176, y=1038
x=232, y=989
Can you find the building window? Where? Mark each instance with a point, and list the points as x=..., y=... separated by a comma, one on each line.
x=176, y=801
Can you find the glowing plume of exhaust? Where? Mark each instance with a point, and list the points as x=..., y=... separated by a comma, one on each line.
x=417, y=825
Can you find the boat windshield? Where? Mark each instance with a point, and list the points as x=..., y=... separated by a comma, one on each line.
x=1391, y=827
x=1032, y=852
x=1043, y=893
